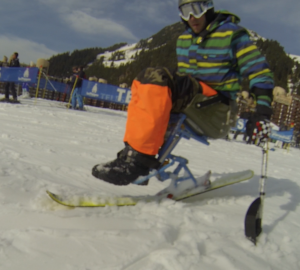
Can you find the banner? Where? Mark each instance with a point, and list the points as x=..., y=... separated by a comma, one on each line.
x=55, y=86
x=89, y=89
x=283, y=136
x=105, y=92
x=19, y=75
x=240, y=125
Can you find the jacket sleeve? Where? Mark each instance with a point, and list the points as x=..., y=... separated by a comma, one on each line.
x=253, y=66
x=81, y=75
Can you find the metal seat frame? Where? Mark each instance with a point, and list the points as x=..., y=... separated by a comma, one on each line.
x=178, y=129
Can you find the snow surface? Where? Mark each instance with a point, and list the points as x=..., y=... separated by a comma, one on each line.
x=45, y=146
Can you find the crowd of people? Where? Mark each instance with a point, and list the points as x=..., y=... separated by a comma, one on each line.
x=249, y=117
x=10, y=86
x=78, y=75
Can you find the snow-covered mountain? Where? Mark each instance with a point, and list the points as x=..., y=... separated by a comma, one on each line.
x=295, y=57
x=129, y=51
x=254, y=36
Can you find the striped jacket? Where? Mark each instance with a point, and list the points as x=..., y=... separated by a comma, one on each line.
x=222, y=55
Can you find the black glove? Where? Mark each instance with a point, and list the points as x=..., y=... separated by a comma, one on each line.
x=185, y=85
x=263, y=114
x=262, y=127
x=184, y=90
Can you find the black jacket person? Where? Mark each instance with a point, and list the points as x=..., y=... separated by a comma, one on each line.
x=10, y=86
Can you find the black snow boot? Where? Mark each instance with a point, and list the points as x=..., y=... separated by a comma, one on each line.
x=126, y=168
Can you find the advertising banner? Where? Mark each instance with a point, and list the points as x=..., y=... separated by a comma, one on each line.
x=55, y=86
x=283, y=136
x=89, y=89
x=105, y=92
x=19, y=75
x=240, y=125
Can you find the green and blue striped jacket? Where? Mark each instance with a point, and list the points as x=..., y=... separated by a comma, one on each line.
x=222, y=55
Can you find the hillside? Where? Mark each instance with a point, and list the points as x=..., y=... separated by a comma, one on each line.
x=61, y=64
x=122, y=62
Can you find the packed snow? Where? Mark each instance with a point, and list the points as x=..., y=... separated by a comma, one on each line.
x=44, y=146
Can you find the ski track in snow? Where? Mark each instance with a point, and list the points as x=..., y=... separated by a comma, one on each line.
x=45, y=146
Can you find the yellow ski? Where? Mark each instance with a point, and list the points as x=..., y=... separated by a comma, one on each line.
x=100, y=201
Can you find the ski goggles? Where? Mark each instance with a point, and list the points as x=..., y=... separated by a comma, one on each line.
x=197, y=9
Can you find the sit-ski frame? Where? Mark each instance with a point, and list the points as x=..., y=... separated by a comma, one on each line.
x=178, y=129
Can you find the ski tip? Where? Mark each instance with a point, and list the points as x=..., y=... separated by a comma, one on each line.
x=55, y=197
x=49, y=192
x=52, y=195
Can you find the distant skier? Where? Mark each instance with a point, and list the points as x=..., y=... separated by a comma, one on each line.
x=78, y=71
x=10, y=86
x=4, y=62
x=25, y=90
x=213, y=54
x=244, y=115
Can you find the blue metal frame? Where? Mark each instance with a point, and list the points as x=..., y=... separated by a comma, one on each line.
x=177, y=130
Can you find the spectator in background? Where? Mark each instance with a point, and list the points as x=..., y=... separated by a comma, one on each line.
x=80, y=74
x=10, y=86
x=4, y=62
x=14, y=60
x=298, y=140
x=244, y=115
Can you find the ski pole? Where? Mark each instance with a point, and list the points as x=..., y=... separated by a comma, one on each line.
x=49, y=82
x=253, y=219
x=38, y=84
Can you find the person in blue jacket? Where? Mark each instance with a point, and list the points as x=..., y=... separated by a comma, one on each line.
x=77, y=97
x=10, y=86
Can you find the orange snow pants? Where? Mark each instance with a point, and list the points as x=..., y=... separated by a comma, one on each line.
x=149, y=109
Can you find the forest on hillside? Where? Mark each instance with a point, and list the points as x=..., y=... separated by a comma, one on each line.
x=61, y=64
x=161, y=51
x=281, y=64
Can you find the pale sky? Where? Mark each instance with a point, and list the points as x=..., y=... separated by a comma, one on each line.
x=42, y=28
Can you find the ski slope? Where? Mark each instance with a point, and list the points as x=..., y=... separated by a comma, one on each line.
x=45, y=146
